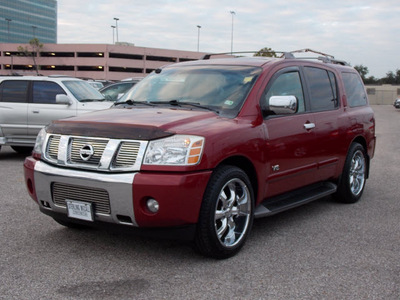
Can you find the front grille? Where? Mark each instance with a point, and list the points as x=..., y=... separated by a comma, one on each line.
x=99, y=154
x=127, y=154
x=78, y=143
x=52, y=149
x=98, y=197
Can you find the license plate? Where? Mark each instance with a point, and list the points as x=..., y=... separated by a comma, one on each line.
x=79, y=210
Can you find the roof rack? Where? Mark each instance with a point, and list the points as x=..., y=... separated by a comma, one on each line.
x=208, y=55
x=325, y=58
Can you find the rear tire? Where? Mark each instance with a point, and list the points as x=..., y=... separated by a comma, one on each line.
x=352, y=182
x=226, y=214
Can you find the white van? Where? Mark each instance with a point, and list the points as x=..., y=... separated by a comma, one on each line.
x=28, y=103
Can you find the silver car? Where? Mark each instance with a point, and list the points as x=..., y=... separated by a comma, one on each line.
x=28, y=103
x=396, y=103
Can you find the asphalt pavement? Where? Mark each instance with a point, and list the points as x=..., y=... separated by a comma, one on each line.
x=323, y=250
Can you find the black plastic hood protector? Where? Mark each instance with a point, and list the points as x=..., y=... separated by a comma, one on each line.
x=106, y=130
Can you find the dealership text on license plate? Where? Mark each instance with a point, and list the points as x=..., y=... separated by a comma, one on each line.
x=79, y=210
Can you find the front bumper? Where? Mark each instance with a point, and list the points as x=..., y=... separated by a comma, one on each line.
x=179, y=194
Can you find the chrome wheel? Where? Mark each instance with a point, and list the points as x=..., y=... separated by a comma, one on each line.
x=232, y=213
x=357, y=173
x=226, y=213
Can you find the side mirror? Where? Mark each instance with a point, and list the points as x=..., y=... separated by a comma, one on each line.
x=63, y=99
x=283, y=105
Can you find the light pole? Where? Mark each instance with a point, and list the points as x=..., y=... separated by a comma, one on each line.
x=8, y=29
x=232, y=13
x=116, y=26
x=113, y=27
x=198, y=37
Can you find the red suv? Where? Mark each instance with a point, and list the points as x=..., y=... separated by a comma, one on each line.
x=205, y=147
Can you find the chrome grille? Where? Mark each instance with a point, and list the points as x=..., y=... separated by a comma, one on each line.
x=52, y=148
x=98, y=197
x=90, y=153
x=127, y=155
x=78, y=143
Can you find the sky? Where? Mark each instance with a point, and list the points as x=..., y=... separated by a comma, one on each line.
x=360, y=32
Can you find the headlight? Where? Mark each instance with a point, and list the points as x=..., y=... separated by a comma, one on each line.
x=37, y=150
x=178, y=150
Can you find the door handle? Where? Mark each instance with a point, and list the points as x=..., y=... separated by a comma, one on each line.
x=309, y=126
x=35, y=111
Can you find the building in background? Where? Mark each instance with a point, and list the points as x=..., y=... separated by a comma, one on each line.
x=23, y=20
x=91, y=61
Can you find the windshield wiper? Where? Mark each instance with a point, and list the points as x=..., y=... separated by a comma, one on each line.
x=181, y=103
x=133, y=102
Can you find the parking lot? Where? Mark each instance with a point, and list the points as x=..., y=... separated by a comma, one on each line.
x=323, y=250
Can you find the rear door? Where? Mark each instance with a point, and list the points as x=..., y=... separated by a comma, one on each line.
x=290, y=149
x=43, y=108
x=330, y=124
x=13, y=108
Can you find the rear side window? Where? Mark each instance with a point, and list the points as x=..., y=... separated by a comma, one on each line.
x=323, y=89
x=45, y=92
x=355, y=91
x=14, y=91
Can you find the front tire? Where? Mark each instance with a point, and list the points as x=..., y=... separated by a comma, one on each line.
x=22, y=149
x=352, y=182
x=226, y=214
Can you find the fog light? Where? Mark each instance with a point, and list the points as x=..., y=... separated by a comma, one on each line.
x=153, y=205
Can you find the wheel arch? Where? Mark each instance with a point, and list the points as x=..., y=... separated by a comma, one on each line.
x=247, y=166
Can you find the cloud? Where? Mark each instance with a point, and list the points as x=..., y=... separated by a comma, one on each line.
x=362, y=32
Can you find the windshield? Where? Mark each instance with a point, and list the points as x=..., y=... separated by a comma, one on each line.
x=83, y=91
x=218, y=87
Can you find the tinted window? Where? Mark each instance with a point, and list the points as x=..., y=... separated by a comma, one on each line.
x=45, y=92
x=13, y=91
x=323, y=89
x=355, y=91
x=287, y=84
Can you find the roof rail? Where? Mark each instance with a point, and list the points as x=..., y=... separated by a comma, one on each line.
x=284, y=54
x=313, y=51
x=333, y=61
x=326, y=58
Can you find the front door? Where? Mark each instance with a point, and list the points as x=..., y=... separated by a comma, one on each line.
x=290, y=149
x=43, y=107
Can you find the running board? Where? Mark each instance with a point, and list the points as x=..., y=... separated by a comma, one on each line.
x=293, y=199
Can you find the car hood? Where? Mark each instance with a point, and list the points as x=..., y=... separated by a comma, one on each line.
x=136, y=123
x=95, y=105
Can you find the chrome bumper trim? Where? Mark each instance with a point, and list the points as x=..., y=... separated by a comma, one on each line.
x=118, y=186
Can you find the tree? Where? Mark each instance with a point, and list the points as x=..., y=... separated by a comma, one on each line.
x=266, y=52
x=372, y=80
x=35, y=49
x=390, y=78
x=363, y=70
